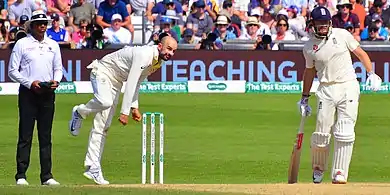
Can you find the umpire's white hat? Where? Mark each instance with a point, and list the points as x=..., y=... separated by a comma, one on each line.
x=38, y=15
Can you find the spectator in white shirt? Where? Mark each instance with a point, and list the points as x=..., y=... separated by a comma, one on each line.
x=117, y=34
x=253, y=29
x=282, y=33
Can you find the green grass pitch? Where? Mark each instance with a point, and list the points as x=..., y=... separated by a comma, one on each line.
x=209, y=139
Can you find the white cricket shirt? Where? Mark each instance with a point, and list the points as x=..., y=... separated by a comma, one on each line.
x=331, y=57
x=32, y=60
x=121, y=36
x=131, y=64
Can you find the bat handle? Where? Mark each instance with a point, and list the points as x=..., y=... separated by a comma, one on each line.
x=302, y=124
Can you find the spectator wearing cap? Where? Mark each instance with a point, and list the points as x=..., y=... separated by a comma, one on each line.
x=161, y=7
x=117, y=34
x=14, y=34
x=19, y=8
x=36, y=64
x=222, y=29
x=166, y=24
x=373, y=33
x=188, y=37
x=200, y=22
x=22, y=20
x=253, y=29
x=255, y=13
x=301, y=4
x=359, y=10
x=177, y=22
x=297, y=24
x=377, y=22
x=170, y=12
x=78, y=11
x=60, y=7
x=344, y=15
x=378, y=9
x=55, y=32
x=110, y=7
x=350, y=28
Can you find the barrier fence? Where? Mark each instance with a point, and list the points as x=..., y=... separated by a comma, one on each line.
x=188, y=66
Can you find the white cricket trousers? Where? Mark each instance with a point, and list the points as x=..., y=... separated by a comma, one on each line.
x=337, y=111
x=106, y=92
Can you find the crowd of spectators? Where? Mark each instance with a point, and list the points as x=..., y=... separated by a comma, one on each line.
x=204, y=23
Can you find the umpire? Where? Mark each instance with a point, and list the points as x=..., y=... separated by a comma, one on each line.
x=36, y=64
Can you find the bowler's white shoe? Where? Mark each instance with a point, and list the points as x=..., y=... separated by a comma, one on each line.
x=339, y=178
x=51, y=182
x=318, y=175
x=97, y=177
x=21, y=181
x=76, y=122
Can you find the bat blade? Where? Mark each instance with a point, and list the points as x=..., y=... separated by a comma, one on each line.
x=295, y=160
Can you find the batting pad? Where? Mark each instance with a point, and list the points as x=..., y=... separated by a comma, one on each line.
x=320, y=150
x=344, y=137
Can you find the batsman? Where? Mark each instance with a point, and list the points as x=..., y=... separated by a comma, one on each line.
x=130, y=64
x=327, y=54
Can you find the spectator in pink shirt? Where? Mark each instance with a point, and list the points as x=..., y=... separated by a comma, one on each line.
x=79, y=35
x=60, y=7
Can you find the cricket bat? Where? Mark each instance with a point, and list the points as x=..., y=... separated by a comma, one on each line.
x=296, y=154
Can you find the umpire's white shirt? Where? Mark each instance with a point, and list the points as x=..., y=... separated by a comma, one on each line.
x=331, y=57
x=131, y=64
x=32, y=60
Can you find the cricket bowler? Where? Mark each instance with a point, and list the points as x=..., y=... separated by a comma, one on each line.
x=327, y=54
x=131, y=64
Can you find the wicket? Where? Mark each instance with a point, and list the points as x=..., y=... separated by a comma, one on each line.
x=152, y=146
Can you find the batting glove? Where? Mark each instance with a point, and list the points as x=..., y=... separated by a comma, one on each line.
x=303, y=106
x=373, y=81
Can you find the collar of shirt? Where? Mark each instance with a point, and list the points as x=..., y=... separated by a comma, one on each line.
x=156, y=63
x=34, y=40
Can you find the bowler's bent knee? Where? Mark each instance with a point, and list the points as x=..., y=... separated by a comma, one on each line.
x=104, y=103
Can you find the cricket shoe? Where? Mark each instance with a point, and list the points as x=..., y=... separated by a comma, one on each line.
x=96, y=176
x=51, y=182
x=339, y=178
x=22, y=182
x=76, y=122
x=318, y=175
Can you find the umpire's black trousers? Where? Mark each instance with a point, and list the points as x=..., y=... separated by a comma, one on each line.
x=35, y=107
